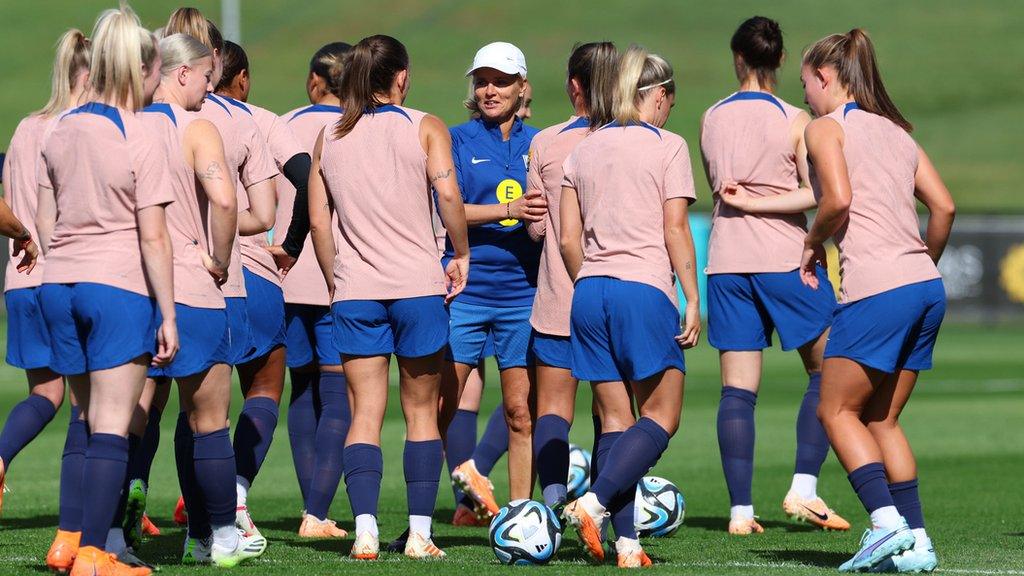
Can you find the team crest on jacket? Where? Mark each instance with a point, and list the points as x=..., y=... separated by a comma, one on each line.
x=526, y=160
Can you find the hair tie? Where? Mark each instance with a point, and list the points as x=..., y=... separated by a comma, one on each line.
x=662, y=83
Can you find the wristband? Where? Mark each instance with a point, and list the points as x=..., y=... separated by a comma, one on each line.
x=24, y=237
x=508, y=210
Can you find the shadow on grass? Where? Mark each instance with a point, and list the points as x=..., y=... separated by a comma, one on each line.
x=30, y=522
x=818, y=558
x=721, y=524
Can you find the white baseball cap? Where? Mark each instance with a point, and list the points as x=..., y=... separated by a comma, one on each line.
x=501, y=56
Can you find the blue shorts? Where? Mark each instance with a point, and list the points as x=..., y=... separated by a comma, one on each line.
x=97, y=327
x=472, y=324
x=264, y=302
x=409, y=327
x=310, y=336
x=238, y=330
x=28, y=340
x=203, y=333
x=552, y=350
x=744, y=310
x=891, y=331
x=622, y=330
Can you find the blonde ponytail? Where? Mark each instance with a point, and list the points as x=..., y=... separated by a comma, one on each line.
x=639, y=71
x=121, y=51
x=71, y=59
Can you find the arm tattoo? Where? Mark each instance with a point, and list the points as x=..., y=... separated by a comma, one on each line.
x=688, y=266
x=212, y=172
x=441, y=175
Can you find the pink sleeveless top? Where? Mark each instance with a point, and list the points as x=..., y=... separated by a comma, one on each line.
x=377, y=178
x=103, y=165
x=304, y=283
x=282, y=145
x=187, y=217
x=747, y=138
x=549, y=149
x=623, y=177
x=21, y=189
x=250, y=163
x=880, y=245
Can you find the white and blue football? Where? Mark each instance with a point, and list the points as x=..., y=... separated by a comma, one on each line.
x=525, y=532
x=659, y=507
x=579, y=472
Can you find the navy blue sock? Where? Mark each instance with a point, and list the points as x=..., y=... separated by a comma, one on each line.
x=632, y=455
x=551, y=455
x=599, y=457
x=596, y=447
x=141, y=461
x=871, y=487
x=106, y=463
x=72, y=464
x=215, y=474
x=494, y=442
x=253, y=434
x=331, y=430
x=736, y=442
x=122, y=502
x=302, y=428
x=195, y=504
x=422, y=465
x=908, y=502
x=24, y=422
x=364, y=467
x=459, y=443
x=811, y=440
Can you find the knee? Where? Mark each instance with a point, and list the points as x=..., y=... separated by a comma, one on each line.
x=667, y=420
x=518, y=419
x=879, y=423
x=52, y=393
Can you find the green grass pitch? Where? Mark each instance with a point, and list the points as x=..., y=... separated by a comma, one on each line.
x=964, y=421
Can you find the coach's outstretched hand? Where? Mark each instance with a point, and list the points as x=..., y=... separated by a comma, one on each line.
x=690, y=330
x=456, y=275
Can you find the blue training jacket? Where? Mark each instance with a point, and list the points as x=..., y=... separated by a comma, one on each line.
x=503, y=258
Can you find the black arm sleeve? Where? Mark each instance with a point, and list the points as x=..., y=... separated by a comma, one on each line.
x=296, y=170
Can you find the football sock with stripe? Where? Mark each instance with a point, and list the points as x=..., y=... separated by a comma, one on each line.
x=736, y=442
x=551, y=454
x=71, y=464
x=331, y=430
x=460, y=441
x=302, y=416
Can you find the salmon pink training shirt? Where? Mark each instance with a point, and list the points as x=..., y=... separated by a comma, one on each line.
x=281, y=145
x=748, y=138
x=249, y=162
x=553, y=302
x=880, y=245
x=623, y=175
x=304, y=283
x=104, y=165
x=21, y=189
x=188, y=215
x=376, y=176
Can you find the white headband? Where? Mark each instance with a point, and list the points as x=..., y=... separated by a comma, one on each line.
x=662, y=83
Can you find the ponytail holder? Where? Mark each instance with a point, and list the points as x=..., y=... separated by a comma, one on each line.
x=662, y=83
